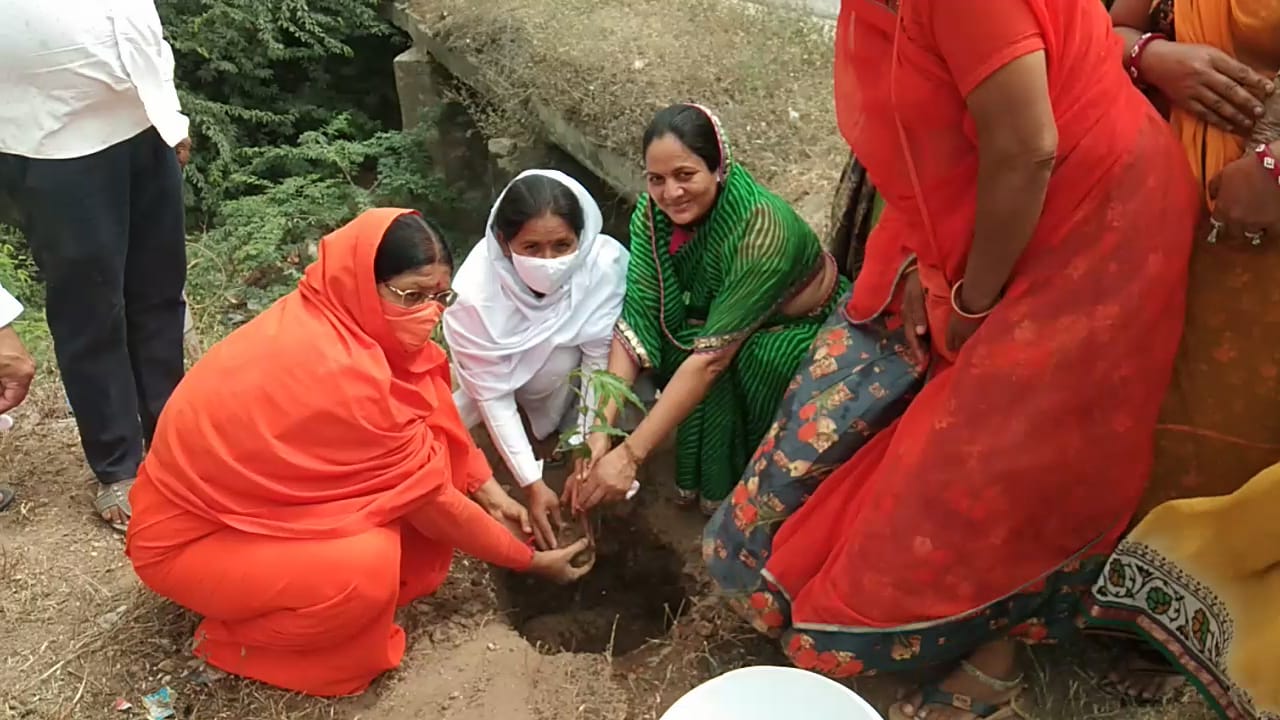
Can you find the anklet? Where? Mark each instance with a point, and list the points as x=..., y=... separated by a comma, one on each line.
x=993, y=683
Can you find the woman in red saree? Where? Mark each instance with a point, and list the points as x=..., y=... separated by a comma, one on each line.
x=311, y=474
x=1033, y=252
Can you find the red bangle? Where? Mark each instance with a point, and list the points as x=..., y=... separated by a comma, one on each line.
x=1135, y=54
x=1269, y=162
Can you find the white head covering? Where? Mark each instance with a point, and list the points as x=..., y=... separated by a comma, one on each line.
x=500, y=332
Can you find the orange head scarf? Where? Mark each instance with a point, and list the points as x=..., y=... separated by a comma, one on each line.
x=1222, y=24
x=312, y=420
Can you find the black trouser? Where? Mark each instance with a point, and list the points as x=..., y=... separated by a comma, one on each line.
x=106, y=231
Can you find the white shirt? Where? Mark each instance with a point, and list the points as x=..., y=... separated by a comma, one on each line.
x=78, y=76
x=547, y=400
x=10, y=308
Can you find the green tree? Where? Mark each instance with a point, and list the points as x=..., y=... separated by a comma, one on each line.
x=294, y=122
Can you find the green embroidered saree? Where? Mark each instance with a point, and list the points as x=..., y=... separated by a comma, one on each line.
x=726, y=284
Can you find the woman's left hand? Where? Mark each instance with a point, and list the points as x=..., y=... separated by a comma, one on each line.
x=1246, y=201
x=503, y=508
x=609, y=480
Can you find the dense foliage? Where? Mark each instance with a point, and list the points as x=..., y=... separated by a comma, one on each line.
x=293, y=113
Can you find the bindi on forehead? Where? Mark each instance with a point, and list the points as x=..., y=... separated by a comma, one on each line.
x=433, y=278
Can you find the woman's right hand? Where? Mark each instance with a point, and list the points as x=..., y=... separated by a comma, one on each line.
x=1207, y=83
x=598, y=444
x=556, y=565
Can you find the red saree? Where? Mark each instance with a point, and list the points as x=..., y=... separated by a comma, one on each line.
x=1030, y=449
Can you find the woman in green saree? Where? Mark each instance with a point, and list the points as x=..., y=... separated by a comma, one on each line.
x=726, y=289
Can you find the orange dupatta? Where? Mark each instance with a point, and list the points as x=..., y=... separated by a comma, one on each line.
x=1221, y=24
x=311, y=421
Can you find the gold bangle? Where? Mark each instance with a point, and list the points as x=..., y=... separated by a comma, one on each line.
x=955, y=304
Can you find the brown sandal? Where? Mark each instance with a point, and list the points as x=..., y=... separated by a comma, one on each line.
x=934, y=695
x=114, y=496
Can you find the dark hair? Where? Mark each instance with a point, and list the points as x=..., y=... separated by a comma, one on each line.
x=410, y=242
x=531, y=197
x=691, y=127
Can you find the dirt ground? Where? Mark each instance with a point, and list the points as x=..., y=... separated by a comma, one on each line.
x=78, y=634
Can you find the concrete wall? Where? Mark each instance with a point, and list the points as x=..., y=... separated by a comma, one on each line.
x=419, y=87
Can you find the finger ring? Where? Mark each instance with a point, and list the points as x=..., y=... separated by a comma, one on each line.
x=1255, y=238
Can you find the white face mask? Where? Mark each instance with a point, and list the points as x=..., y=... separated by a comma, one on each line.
x=543, y=275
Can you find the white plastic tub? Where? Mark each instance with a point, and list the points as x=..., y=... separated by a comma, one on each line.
x=771, y=693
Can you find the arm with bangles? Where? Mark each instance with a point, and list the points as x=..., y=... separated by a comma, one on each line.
x=1017, y=142
x=1200, y=79
x=609, y=475
x=1017, y=146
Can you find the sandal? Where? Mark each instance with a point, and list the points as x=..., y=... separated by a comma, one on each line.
x=934, y=695
x=114, y=496
x=1143, y=666
x=6, y=497
x=556, y=460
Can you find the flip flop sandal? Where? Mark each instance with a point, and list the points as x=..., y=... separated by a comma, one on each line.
x=934, y=695
x=114, y=497
x=6, y=498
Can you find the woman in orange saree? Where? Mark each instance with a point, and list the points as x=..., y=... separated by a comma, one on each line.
x=1212, y=63
x=311, y=474
x=1035, y=238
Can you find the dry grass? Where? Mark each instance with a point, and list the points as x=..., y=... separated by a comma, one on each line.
x=608, y=65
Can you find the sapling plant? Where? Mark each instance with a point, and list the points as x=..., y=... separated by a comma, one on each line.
x=595, y=390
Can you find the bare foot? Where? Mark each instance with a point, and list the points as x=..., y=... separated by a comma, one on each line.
x=990, y=679
x=1145, y=679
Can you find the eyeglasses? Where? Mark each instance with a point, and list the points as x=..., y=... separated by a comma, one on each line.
x=412, y=298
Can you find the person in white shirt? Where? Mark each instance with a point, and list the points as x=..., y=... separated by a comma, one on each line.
x=537, y=299
x=89, y=125
x=16, y=369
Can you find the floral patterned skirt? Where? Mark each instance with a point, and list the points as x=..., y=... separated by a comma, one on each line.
x=856, y=381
